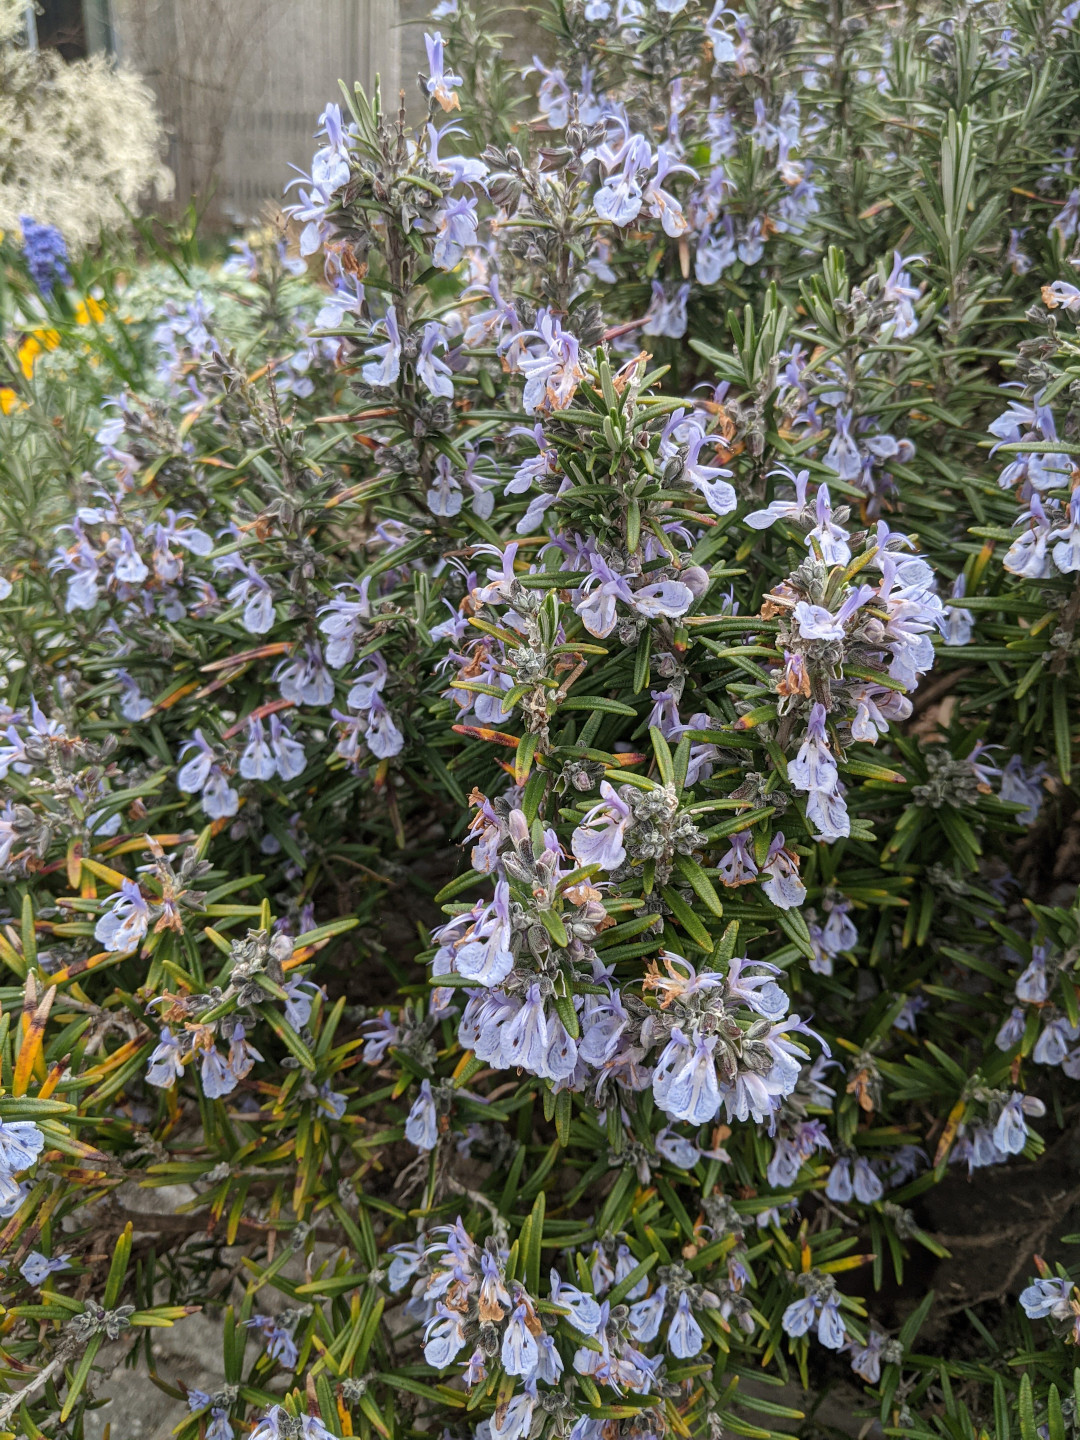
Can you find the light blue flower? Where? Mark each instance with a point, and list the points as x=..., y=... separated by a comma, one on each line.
x=519, y=1349
x=584, y=1309
x=685, y=1336
x=422, y=1125
x=693, y=1090
x=124, y=925
x=384, y=361
x=1011, y=1131
x=217, y=1079
x=830, y=1328
x=799, y=1316
x=165, y=1065
x=21, y=1142
x=1047, y=1297
x=37, y=1267
x=646, y=1315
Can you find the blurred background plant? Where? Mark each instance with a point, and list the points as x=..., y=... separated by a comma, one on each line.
x=81, y=142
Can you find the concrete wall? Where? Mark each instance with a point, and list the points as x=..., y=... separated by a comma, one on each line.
x=241, y=84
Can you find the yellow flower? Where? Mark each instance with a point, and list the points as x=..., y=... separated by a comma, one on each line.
x=8, y=400
x=89, y=311
x=29, y=350
x=32, y=346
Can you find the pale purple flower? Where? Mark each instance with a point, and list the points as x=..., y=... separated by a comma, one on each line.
x=1066, y=552
x=814, y=768
x=330, y=165
x=1033, y=983
x=901, y=292
x=384, y=361
x=1053, y=1044
x=1027, y=556
x=287, y=752
x=783, y=887
x=598, y=840
x=455, y=226
x=369, y=683
x=866, y=1359
x=256, y=762
x=737, y=867
x=242, y=1054
x=685, y=1336
x=431, y=368
x=1012, y=1030
x=1022, y=787
x=553, y=369
x=619, y=199
x=486, y=955
x=517, y=1420
x=519, y=1353
x=440, y=82
x=444, y=497
x=1048, y=1297
x=341, y=622
x=279, y=1342
x=304, y=679
x=715, y=250
x=956, y=623
x=815, y=622
x=1011, y=1131
x=462, y=169
x=36, y=1268
x=165, y=1065
x=277, y=1424
x=257, y=598
x=125, y=924
x=685, y=1082
x=584, y=1309
x=799, y=1316
x=219, y=799
x=843, y=454
x=195, y=773
x=299, y=997
x=382, y=736
x=830, y=1330
x=663, y=206
x=625, y=1262
x=666, y=314
x=711, y=480
x=422, y=1125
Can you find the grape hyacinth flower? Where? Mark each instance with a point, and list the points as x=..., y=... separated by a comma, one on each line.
x=46, y=254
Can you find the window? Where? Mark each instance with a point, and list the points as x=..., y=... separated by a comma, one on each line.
x=61, y=26
x=74, y=27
